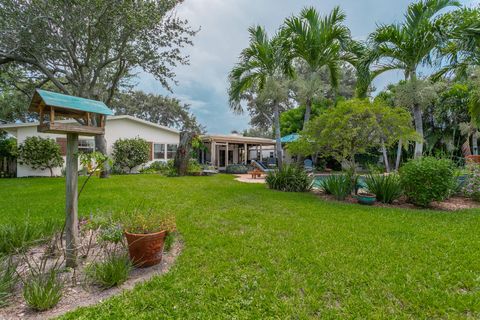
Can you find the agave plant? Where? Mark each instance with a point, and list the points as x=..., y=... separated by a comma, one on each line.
x=386, y=188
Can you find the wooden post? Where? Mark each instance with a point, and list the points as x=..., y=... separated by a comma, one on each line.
x=52, y=115
x=71, y=209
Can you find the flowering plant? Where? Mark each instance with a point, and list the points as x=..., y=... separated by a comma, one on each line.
x=472, y=185
x=148, y=222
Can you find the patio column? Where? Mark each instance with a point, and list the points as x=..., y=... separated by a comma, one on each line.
x=226, y=155
x=261, y=153
x=213, y=153
x=245, y=148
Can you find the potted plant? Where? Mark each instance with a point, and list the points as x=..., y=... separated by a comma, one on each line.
x=145, y=234
x=366, y=198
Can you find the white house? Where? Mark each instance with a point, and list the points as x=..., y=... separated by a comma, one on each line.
x=163, y=140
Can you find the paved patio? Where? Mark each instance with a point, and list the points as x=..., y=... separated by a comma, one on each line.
x=248, y=178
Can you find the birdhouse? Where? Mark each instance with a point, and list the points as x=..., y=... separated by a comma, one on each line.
x=53, y=107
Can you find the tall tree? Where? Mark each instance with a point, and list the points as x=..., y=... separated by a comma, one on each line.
x=319, y=42
x=159, y=109
x=262, y=68
x=409, y=45
x=90, y=48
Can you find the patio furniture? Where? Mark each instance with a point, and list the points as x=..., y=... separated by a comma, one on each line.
x=255, y=173
x=308, y=165
x=260, y=166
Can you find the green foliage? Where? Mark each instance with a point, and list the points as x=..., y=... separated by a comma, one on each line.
x=354, y=127
x=194, y=168
x=471, y=187
x=40, y=153
x=111, y=272
x=291, y=121
x=43, y=291
x=148, y=221
x=130, y=153
x=8, y=279
x=169, y=240
x=385, y=187
x=8, y=147
x=290, y=179
x=237, y=169
x=23, y=234
x=339, y=185
x=428, y=179
x=111, y=233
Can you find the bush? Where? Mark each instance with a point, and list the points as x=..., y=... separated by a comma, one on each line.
x=471, y=187
x=17, y=236
x=194, y=168
x=157, y=166
x=339, y=185
x=111, y=272
x=130, y=153
x=427, y=179
x=237, y=169
x=385, y=187
x=40, y=153
x=42, y=291
x=290, y=179
x=8, y=279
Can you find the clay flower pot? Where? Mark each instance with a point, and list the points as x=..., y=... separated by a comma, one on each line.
x=366, y=198
x=145, y=249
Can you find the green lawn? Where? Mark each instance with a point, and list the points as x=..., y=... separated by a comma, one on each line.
x=255, y=253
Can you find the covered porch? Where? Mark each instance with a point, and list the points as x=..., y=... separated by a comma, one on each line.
x=223, y=150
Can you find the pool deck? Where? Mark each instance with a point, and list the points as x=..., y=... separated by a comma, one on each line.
x=247, y=178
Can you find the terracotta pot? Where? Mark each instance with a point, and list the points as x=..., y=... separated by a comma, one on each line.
x=145, y=249
x=473, y=159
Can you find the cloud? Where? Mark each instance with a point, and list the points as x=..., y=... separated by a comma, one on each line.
x=224, y=23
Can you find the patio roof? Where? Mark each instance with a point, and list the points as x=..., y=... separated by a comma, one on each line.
x=234, y=138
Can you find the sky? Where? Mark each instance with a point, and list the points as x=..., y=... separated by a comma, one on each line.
x=223, y=34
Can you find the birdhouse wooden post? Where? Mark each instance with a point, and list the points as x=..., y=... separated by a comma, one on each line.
x=90, y=115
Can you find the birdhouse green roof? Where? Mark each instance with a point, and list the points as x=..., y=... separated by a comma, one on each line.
x=68, y=103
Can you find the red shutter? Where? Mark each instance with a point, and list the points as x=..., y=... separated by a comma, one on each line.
x=62, y=142
x=151, y=151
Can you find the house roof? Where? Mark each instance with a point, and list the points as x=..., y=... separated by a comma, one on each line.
x=67, y=103
x=235, y=138
x=14, y=126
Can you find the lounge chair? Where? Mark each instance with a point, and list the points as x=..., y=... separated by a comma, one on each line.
x=260, y=166
x=308, y=165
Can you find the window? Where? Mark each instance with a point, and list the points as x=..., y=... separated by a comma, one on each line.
x=158, y=151
x=171, y=150
x=86, y=145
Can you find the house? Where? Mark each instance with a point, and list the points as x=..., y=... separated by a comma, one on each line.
x=223, y=150
x=163, y=140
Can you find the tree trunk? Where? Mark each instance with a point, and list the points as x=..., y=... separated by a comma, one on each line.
x=278, y=143
x=71, y=203
x=101, y=146
x=182, y=157
x=475, y=143
x=308, y=112
x=51, y=172
x=385, y=157
x=399, y=155
x=417, y=115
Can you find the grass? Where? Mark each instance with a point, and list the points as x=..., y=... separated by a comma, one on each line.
x=42, y=292
x=112, y=271
x=256, y=253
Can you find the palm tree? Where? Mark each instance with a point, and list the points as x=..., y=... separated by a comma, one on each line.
x=409, y=45
x=262, y=69
x=319, y=42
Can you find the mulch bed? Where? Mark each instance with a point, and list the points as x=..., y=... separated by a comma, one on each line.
x=452, y=204
x=77, y=291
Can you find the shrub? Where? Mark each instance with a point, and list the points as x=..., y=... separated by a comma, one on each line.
x=194, y=168
x=385, y=187
x=130, y=153
x=471, y=187
x=147, y=222
x=237, y=169
x=8, y=279
x=290, y=179
x=40, y=153
x=339, y=185
x=111, y=272
x=157, y=166
x=427, y=179
x=42, y=291
x=20, y=235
